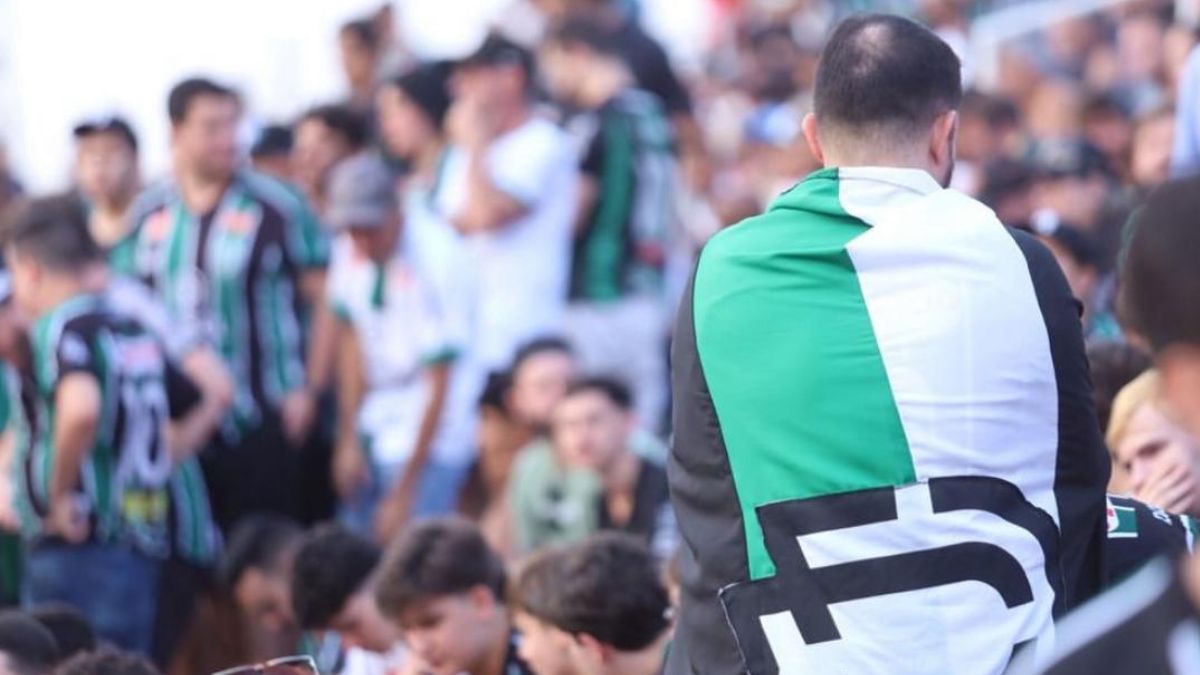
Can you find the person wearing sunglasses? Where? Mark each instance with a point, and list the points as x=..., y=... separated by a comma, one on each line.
x=443, y=586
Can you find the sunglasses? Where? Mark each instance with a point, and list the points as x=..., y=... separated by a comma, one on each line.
x=285, y=665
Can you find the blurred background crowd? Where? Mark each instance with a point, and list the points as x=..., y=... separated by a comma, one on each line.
x=450, y=291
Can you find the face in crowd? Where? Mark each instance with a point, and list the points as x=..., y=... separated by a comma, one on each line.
x=205, y=140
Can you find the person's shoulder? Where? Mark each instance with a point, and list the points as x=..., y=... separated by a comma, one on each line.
x=536, y=133
x=153, y=197
x=272, y=193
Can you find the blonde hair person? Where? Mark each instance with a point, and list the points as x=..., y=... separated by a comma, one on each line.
x=1154, y=460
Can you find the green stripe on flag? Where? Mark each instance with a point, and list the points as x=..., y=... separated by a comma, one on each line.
x=791, y=360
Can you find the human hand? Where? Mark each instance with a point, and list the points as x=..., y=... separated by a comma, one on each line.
x=350, y=470
x=68, y=519
x=298, y=411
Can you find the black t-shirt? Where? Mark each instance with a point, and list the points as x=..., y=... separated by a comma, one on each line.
x=652, y=518
x=1146, y=626
x=1138, y=533
x=651, y=68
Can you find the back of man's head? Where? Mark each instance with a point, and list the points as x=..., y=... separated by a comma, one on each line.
x=882, y=78
x=258, y=542
x=69, y=626
x=434, y=559
x=106, y=661
x=26, y=647
x=608, y=586
x=51, y=231
x=331, y=565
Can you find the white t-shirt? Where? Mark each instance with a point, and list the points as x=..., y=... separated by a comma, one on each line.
x=522, y=268
x=402, y=328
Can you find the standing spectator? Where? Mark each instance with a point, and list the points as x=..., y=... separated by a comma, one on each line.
x=593, y=429
x=508, y=186
x=324, y=136
x=824, y=410
x=26, y=647
x=615, y=319
x=443, y=586
x=234, y=250
x=392, y=398
x=361, y=48
x=596, y=608
x=102, y=468
x=106, y=174
x=333, y=589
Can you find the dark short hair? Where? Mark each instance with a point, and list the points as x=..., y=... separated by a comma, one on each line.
x=1113, y=365
x=179, y=101
x=495, y=393
x=611, y=388
x=331, y=565
x=30, y=648
x=341, y=120
x=609, y=587
x=437, y=558
x=364, y=31
x=106, y=661
x=258, y=542
x=1080, y=245
x=69, y=626
x=537, y=346
x=53, y=231
x=582, y=30
x=885, y=72
x=273, y=139
x=1161, y=277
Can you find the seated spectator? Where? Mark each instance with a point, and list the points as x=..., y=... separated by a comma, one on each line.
x=484, y=494
x=26, y=647
x=594, y=428
x=70, y=628
x=1008, y=190
x=596, y=608
x=399, y=350
x=106, y=662
x=1079, y=259
x=333, y=589
x=553, y=500
x=256, y=570
x=1154, y=460
x=444, y=588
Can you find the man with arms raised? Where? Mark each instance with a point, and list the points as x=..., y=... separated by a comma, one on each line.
x=886, y=457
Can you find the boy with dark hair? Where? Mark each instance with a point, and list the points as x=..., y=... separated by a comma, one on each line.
x=256, y=567
x=71, y=630
x=595, y=608
x=444, y=587
x=333, y=589
x=26, y=647
x=97, y=472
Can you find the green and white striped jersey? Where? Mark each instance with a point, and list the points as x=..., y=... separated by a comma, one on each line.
x=232, y=277
x=125, y=477
x=886, y=457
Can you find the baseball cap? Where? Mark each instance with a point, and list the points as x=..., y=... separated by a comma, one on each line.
x=361, y=193
x=498, y=50
x=107, y=124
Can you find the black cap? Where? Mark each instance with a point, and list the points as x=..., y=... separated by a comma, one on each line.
x=498, y=50
x=273, y=139
x=111, y=124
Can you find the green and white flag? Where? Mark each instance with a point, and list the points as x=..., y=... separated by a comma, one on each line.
x=886, y=458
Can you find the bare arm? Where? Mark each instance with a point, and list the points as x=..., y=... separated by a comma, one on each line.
x=320, y=349
x=208, y=373
x=77, y=404
x=349, y=460
x=487, y=207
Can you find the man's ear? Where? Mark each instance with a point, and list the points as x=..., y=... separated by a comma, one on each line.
x=596, y=651
x=942, y=138
x=813, y=139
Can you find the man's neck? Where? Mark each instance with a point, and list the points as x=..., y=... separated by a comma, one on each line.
x=648, y=661
x=200, y=193
x=60, y=290
x=620, y=477
x=492, y=663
